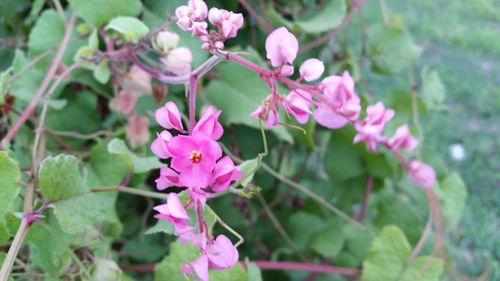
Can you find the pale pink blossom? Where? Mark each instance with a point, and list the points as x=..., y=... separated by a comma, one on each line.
x=224, y=173
x=287, y=70
x=403, y=139
x=422, y=174
x=267, y=112
x=137, y=81
x=178, y=61
x=194, y=157
x=169, y=116
x=369, y=130
x=194, y=13
x=165, y=41
x=124, y=102
x=297, y=103
x=281, y=47
x=222, y=254
x=159, y=145
x=341, y=103
x=208, y=125
x=138, y=130
x=312, y=69
x=228, y=22
x=168, y=178
x=172, y=211
x=185, y=232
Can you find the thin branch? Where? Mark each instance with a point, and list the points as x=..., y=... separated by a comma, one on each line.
x=45, y=83
x=14, y=250
x=265, y=24
x=280, y=228
x=77, y=135
x=310, y=267
x=364, y=204
x=131, y=190
x=60, y=10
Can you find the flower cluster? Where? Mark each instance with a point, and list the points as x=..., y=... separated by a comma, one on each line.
x=192, y=17
x=196, y=162
x=333, y=103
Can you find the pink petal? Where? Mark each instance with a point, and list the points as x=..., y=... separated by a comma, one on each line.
x=312, y=69
x=326, y=117
x=222, y=254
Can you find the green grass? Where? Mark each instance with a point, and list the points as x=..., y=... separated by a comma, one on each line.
x=461, y=40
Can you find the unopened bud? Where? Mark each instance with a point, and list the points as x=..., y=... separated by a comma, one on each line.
x=165, y=41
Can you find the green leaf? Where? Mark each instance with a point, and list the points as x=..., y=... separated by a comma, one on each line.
x=49, y=247
x=170, y=267
x=329, y=16
x=138, y=163
x=47, y=32
x=391, y=48
x=84, y=212
x=248, y=168
x=342, y=161
x=302, y=226
x=2, y=257
x=424, y=269
x=100, y=12
x=102, y=73
x=433, y=90
x=388, y=256
x=452, y=193
x=254, y=273
x=9, y=186
x=106, y=270
x=162, y=226
x=104, y=168
x=238, y=93
x=59, y=177
x=130, y=28
x=328, y=241
x=4, y=75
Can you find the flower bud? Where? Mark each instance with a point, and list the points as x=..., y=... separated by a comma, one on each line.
x=312, y=69
x=281, y=47
x=178, y=61
x=422, y=174
x=124, y=102
x=169, y=116
x=165, y=41
x=138, y=131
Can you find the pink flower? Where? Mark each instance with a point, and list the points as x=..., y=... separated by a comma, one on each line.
x=194, y=158
x=194, y=13
x=159, y=145
x=172, y=211
x=286, y=70
x=403, y=139
x=422, y=174
x=200, y=267
x=138, y=130
x=298, y=105
x=370, y=129
x=224, y=173
x=169, y=116
x=124, y=102
x=222, y=254
x=208, y=125
x=228, y=22
x=185, y=232
x=178, y=61
x=267, y=112
x=312, y=69
x=341, y=103
x=168, y=178
x=281, y=47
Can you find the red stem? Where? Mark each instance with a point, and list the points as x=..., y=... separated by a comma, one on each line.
x=310, y=267
x=364, y=204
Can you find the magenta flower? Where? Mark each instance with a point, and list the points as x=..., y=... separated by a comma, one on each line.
x=208, y=124
x=194, y=158
x=267, y=112
x=297, y=103
x=341, y=104
x=172, y=211
x=168, y=178
x=222, y=254
x=224, y=173
x=169, y=116
x=281, y=47
x=370, y=129
x=422, y=174
x=200, y=267
x=403, y=139
x=311, y=69
x=159, y=145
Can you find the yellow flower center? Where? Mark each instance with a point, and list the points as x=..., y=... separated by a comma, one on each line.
x=195, y=156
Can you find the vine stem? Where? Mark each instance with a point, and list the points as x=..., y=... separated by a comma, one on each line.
x=130, y=190
x=45, y=83
x=192, y=101
x=364, y=204
x=14, y=250
x=310, y=267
